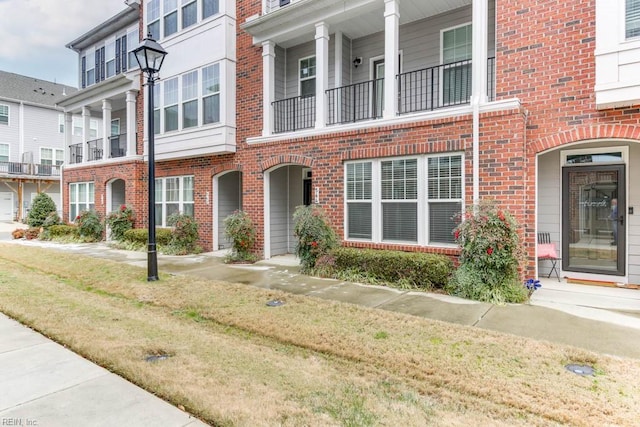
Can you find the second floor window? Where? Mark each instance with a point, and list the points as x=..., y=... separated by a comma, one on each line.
x=170, y=17
x=456, y=47
x=156, y=109
x=50, y=156
x=110, y=58
x=211, y=94
x=190, y=99
x=209, y=8
x=307, y=73
x=4, y=114
x=4, y=152
x=632, y=18
x=77, y=126
x=153, y=18
x=91, y=68
x=189, y=13
x=171, y=104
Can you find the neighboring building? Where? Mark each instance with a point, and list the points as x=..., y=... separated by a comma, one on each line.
x=31, y=142
x=396, y=115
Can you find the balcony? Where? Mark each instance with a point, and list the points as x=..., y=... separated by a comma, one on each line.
x=117, y=146
x=75, y=153
x=427, y=89
x=29, y=169
x=94, y=150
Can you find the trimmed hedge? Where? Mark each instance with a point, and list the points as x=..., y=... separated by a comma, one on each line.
x=141, y=235
x=61, y=230
x=420, y=270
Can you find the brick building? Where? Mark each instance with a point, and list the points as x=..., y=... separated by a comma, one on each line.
x=395, y=115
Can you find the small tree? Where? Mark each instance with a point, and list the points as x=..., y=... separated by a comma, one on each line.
x=314, y=233
x=41, y=206
x=119, y=222
x=239, y=228
x=89, y=225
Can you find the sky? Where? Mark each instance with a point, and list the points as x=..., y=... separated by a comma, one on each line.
x=34, y=34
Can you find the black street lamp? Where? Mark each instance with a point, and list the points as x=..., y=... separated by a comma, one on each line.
x=150, y=56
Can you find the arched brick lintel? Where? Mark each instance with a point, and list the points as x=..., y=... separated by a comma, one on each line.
x=226, y=167
x=285, y=159
x=586, y=133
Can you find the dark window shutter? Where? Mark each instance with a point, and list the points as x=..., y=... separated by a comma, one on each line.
x=83, y=69
x=123, y=52
x=102, y=73
x=117, y=56
x=97, y=66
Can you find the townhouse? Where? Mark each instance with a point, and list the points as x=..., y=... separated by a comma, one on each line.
x=31, y=142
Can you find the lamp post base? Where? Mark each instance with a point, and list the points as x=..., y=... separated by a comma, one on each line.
x=152, y=264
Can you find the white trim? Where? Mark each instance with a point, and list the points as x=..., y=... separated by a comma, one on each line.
x=266, y=178
x=215, y=211
x=598, y=150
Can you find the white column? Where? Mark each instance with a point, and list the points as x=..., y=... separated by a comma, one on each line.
x=106, y=128
x=479, y=83
x=268, y=85
x=391, y=61
x=86, y=123
x=68, y=140
x=337, y=79
x=131, y=122
x=322, y=73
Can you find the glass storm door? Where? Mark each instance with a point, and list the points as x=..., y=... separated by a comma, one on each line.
x=594, y=219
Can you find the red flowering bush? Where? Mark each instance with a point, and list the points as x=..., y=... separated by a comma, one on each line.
x=239, y=228
x=490, y=256
x=314, y=233
x=119, y=222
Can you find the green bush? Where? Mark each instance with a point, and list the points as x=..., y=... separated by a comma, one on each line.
x=52, y=219
x=119, y=222
x=396, y=268
x=314, y=233
x=240, y=229
x=490, y=257
x=184, y=237
x=62, y=230
x=41, y=206
x=141, y=235
x=90, y=227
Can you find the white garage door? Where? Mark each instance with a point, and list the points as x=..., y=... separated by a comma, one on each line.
x=6, y=206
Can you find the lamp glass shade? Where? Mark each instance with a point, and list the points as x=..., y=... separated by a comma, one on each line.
x=150, y=55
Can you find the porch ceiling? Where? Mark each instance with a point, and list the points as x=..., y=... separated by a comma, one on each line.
x=295, y=23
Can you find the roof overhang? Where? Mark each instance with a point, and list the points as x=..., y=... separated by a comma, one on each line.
x=106, y=89
x=112, y=25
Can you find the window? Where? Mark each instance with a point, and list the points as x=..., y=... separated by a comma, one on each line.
x=4, y=152
x=170, y=17
x=171, y=104
x=190, y=99
x=209, y=7
x=91, y=68
x=47, y=156
x=115, y=127
x=156, y=109
x=60, y=123
x=81, y=198
x=307, y=74
x=211, y=94
x=93, y=129
x=4, y=114
x=110, y=58
x=153, y=18
x=410, y=200
x=359, y=200
x=632, y=18
x=189, y=13
x=77, y=126
x=133, y=42
x=456, y=47
x=173, y=195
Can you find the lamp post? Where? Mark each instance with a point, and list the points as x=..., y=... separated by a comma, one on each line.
x=150, y=56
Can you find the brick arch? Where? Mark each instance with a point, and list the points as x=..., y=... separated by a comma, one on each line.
x=226, y=167
x=114, y=177
x=586, y=133
x=286, y=159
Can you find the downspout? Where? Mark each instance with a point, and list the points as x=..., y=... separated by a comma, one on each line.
x=479, y=83
x=475, y=102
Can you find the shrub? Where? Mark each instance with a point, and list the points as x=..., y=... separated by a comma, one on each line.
x=62, y=230
x=490, y=257
x=18, y=233
x=52, y=219
x=32, y=233
x=41, y=206
x=184, y=236
x=90, y=227
x=240, y=229
x=396, y=268
x=314, y=233
x=119, y=222
x=139, y=236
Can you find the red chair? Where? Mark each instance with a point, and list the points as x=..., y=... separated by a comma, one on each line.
x=547, y=251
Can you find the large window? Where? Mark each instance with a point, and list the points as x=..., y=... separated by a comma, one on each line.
x=153, y=18
x=110, y=58
x=4, y=114
x=91, y=68
x=171, y=104
x=632, y=18
x=190, y=99
x=307, y=74
x=211, y=94
x=209, y=8
x=170, y=17
x=133, y=41
x=50, y=156
x=77, y=126
x=4, y=152
x=81, y=198
x=166, y=17
x=189, y=13
x=456, y=47
x=410, y=200
x=173, y=195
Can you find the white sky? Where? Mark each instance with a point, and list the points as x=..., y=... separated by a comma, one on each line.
x=34, y=33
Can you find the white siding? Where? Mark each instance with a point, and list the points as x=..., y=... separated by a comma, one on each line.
x=279, y=211
x=633, y=221
x=10, y=134
x=229, y=199
x=549, y=202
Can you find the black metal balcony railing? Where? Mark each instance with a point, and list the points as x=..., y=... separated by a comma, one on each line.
x=293, y=114
x=94, y=149
x=359, y=101
x=75, y=153
x=47, y=170
x=117, y=145
x=441, y=86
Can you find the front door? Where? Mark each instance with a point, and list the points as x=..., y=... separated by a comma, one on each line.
x=594, y=219
x=378, y=88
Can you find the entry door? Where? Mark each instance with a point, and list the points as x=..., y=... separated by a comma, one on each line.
x=378, y=87
x=594, y=219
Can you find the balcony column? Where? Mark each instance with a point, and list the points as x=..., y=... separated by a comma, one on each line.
x=479, y=83
x=391, y=59
x=106, y=128
x=86, y=132
x=322, y=73
x=131, y=123
x=268, y=85
x=68, y=137
x=336, y=109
